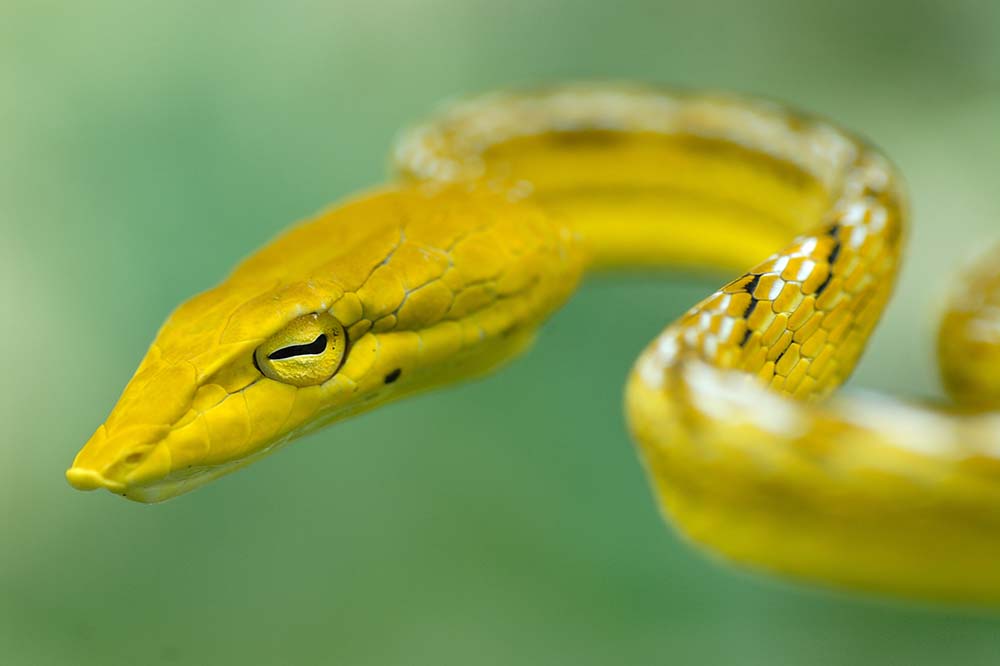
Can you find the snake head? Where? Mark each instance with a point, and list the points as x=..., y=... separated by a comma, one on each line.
x=396, y=292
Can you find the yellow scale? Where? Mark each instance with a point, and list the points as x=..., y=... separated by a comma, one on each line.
x=499, y=205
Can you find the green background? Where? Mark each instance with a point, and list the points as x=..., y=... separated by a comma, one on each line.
x=145, y=147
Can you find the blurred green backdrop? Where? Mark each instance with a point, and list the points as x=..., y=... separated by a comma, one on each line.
x=147, y=146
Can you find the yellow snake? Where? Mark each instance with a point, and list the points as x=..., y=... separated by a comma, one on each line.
x=500, y=203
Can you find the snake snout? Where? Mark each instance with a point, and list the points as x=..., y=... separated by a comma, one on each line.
x=115, y=462
x=126, y=452
x=82, y=478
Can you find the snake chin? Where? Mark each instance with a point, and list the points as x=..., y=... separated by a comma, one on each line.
x=173, y=486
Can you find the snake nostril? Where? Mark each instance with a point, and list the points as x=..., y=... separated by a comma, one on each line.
x=134, y=458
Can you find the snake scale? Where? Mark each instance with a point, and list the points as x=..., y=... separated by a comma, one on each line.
x=499, y=205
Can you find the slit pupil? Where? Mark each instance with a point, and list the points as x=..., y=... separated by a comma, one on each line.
x=317, y=346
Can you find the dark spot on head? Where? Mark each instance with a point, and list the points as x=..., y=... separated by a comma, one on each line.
x=746, y=337
x=393, y=376
x=751, y=286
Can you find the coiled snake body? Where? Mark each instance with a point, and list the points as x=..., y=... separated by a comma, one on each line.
x=499, y=205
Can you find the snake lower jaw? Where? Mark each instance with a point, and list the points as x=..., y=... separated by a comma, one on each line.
x=160, y=491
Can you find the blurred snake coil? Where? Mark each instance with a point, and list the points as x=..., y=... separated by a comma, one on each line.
x=500, y=203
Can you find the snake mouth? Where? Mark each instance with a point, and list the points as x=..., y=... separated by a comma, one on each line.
x=151, y=464
x=146, y=480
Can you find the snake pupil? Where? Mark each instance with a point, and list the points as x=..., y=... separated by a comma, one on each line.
x=317, y=346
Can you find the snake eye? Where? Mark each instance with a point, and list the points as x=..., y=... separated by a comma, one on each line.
x=308, y=351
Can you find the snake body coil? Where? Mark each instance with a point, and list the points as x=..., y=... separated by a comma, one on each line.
x=501, y=203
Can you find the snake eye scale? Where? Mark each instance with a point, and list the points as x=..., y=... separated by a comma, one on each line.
x=499, y=204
